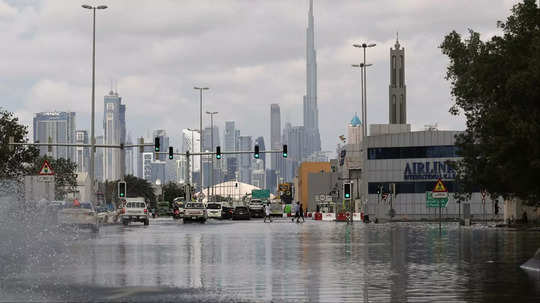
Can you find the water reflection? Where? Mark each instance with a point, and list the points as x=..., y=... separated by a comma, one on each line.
x=314, y=261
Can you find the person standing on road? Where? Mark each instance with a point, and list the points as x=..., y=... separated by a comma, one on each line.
x=267, y=213
x=301, y=213
x=296, y=212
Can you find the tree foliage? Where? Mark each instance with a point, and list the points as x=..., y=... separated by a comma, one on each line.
x=173, y=190
x=496, y=84
x=136, y=187
x=13, y=164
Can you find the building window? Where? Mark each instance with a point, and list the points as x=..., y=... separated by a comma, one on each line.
x=413, y=152
x=401, y=75
x=402, y=109
x=411, y=187
x=393, y=110
x=394, y=71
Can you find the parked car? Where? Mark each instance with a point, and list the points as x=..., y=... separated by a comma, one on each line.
x=135, y=210
x=195, y=211
x=214, y=210
x=241, y=213
x=256, y=208
x=80, y=215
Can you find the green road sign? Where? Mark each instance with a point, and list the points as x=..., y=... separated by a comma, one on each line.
x=434, y=203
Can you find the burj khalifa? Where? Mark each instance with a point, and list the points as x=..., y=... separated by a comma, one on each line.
x=311, y=111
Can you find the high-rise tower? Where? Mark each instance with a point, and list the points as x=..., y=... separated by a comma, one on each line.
x=114, y=127
x=397, y=103
x=311, y=111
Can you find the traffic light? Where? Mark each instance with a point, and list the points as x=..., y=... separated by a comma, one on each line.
x=171, y=154
x=256, y=155
x=218, y=152
x=156, y=144
x=122, y=188
x=285, y=151
x=347, y=191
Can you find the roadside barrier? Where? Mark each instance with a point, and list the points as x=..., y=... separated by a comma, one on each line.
x=329, y=217
x=357, y=216
x=317, y=216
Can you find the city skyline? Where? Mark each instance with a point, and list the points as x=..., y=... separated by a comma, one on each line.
x=157, y=102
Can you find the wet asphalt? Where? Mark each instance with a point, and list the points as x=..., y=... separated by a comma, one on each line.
x=252, y=261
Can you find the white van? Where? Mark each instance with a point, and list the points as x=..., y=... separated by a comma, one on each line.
x=214, y=210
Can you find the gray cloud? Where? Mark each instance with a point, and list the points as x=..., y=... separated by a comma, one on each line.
x=251, y=54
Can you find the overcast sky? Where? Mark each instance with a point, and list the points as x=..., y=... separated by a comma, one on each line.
x=250, y=53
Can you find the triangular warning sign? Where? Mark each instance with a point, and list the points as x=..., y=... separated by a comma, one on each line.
x=46, y=169
x=439, y=187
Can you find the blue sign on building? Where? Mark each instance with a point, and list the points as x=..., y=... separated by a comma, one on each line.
x=428, y=170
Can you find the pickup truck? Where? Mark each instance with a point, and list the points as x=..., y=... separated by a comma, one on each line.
x=135, y=210
x=195, y=211
x=80, y=215
x=256, y=208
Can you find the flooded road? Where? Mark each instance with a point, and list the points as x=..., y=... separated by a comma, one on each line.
x=281, y=261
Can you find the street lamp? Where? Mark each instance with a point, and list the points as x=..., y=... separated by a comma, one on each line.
x=92, y=135
x=212, y=144
x=200, y=89
x=364, y=117
x=192, y=130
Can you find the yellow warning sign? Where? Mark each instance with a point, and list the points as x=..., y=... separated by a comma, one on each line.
x=46, y=169
x=439, y=187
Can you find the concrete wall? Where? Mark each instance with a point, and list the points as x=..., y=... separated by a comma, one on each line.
x=513, y=210
x=320, y=183
x=303, y=178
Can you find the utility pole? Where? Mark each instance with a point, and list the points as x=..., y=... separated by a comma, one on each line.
x=92, y=134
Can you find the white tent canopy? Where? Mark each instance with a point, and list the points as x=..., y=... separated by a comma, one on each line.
x=233, y=189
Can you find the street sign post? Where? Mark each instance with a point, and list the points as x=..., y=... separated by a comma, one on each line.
x=440, y=192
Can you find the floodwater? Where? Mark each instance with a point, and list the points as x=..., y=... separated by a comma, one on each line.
x=232, y=261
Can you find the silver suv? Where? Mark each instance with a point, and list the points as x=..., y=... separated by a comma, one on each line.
x=135, y=211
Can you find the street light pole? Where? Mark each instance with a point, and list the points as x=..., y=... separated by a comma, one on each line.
x=201, y=134
x=212, y=144
x=364, y=114
x=92, y=133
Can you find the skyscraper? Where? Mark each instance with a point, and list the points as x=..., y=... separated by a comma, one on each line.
x=207, y=138
x=397, y=91
x=245, y=159
x=260, y=141
x=275, y=135
x=229, y=136
x=82, y=154
x=56, y=127
x=114, y=127
x=129, y=152
x=311, y=111
x=98, y=165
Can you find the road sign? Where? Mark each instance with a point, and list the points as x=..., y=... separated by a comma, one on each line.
x=440, y=191
x=432, y=202
x=45, y=178
x=439, y=187
x=440, y=195
x=46, y=169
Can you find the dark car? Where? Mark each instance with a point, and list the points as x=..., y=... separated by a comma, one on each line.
x=241, y=213
x=226, y=212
